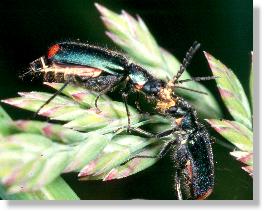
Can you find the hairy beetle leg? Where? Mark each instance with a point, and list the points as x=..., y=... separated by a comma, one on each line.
x=51, y=98
x=99, y=95
x=96, y=104
x=124, y=97
x=165, y=149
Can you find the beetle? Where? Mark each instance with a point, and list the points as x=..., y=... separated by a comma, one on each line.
x=100, y=69
x=191, y=152
x=193, y=159
x=92, y=67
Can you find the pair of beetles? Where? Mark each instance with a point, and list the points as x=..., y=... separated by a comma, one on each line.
x=102, y=70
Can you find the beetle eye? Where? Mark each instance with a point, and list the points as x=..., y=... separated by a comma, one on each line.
x=38, y=65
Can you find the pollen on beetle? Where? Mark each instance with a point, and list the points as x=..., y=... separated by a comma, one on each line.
x=53, y=50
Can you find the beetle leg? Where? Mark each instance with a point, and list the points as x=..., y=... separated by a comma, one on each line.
x=165, y=149
x=143, y=132
x=166, y=133
x=197, y=79
x=51, y=98
x=138, y=106
x=96, y=102
x=137, y=102
x=99, y=95
x=151, y=135
x=124, y=97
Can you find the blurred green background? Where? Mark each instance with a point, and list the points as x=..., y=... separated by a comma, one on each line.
x=223, y=27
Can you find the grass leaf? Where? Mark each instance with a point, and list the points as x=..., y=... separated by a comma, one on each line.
x=235, y=132
x=231, y=91
x=117, y=152
x=31, y=161
x=51, y=149
x=58, y=189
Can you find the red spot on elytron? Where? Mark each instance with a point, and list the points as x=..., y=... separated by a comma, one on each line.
x=53, y=50
x=188, y=168
x=205, y=195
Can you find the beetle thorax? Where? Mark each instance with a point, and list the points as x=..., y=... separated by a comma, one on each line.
x=165, y=100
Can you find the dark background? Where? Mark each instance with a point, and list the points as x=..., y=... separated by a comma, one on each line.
x=223, y=27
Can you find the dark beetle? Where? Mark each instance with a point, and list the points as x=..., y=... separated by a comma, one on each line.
x=101, y=70
x=92, y=67
x=192, y=151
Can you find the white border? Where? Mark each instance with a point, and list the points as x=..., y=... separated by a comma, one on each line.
x=257, y=205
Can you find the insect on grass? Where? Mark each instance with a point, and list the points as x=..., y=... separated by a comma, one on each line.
x=102, y=70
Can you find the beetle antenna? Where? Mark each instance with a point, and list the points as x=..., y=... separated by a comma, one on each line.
x=186, y=61
x=197, y=79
